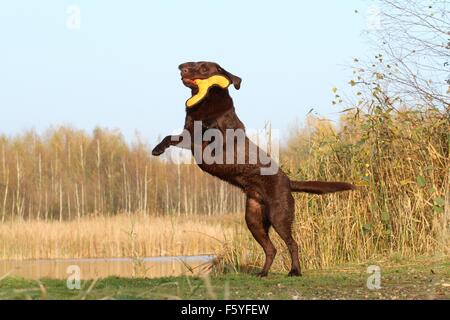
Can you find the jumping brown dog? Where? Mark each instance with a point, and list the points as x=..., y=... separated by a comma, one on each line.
x=269, y=197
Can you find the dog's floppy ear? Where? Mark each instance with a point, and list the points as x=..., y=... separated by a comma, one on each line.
x=235, y=80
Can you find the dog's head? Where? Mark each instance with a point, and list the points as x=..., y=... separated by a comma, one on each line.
x=191, y=71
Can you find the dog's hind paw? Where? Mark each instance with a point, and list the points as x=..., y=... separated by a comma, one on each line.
x=294, y=273
x=261, y=274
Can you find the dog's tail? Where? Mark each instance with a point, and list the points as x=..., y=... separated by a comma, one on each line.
x=320, y=187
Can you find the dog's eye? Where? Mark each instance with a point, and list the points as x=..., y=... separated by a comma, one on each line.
x=203, y=69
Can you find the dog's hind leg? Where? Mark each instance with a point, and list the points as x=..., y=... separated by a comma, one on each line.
x=259, y=225
x=282, y=217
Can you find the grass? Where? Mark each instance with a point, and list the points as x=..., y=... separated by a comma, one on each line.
x=417, y=280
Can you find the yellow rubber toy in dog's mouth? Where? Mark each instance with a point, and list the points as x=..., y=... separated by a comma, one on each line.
x=203, y=88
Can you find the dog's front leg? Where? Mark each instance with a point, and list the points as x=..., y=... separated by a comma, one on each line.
x=183, y=140
x=165, y=143
x=179, y=140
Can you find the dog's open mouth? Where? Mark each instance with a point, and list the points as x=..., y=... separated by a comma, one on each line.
x=189, y=82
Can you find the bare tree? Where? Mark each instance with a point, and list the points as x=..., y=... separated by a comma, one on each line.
x=414, y=39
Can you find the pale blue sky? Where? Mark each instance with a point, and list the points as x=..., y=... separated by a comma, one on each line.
x=120, y=69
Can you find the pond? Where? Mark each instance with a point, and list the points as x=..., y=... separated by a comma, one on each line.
x=149, y=267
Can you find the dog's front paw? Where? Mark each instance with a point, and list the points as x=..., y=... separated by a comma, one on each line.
x=158, y=150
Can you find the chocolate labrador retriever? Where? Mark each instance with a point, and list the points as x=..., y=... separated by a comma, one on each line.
x=269, y=196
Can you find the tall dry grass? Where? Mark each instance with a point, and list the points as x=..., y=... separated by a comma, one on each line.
x=400, y=161
x=124, y=235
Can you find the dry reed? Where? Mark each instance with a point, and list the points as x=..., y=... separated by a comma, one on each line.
x=124, y=235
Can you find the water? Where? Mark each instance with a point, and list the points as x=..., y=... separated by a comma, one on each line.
x=149, y=267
